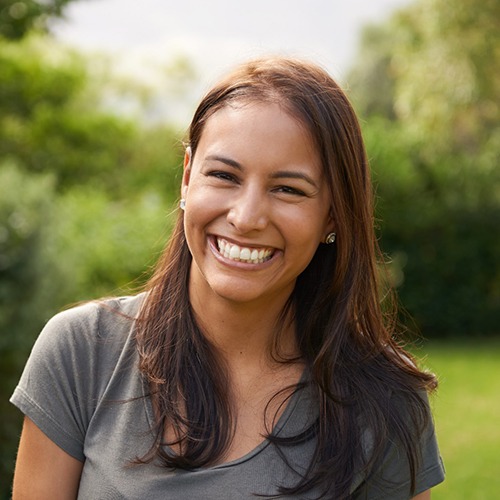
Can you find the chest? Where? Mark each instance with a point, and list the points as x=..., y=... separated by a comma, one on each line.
x=119, y=434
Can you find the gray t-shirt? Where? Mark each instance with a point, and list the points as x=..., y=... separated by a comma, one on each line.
x=81, y=386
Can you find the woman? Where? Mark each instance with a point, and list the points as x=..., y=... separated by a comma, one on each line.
x=258, y=361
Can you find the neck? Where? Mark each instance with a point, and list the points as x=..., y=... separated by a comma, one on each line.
x=244, y=333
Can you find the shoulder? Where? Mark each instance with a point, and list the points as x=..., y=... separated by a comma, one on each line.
x=72, y=364
x=94, y=320
x=97, y=314
x=409, y=447
x=87, y=335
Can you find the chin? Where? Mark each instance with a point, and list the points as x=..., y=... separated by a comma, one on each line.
x=244, y=292
x=237, y=296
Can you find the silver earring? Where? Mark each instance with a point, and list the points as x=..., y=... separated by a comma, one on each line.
x=182, y=204
x=330, y=238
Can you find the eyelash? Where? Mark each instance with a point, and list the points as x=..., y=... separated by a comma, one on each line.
x=224, y=176
x=290, y=190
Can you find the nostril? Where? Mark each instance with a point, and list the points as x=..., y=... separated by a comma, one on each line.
x=248, y=216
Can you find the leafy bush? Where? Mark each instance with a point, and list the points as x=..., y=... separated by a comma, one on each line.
x=425, y=83
x=438, y=225
x=25, y=209
x=56, y=250
x=85, y=197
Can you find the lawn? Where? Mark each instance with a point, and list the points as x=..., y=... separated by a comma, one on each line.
x=467, y=414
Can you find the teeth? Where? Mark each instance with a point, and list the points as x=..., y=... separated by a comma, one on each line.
x=234, y=253
x=243, y=254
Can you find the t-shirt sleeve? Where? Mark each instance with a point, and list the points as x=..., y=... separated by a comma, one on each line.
x=56, y=390
x=391, y=480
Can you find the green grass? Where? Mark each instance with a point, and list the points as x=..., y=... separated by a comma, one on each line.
x=467, y=414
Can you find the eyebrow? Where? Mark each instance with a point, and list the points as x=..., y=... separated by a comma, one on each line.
x=281, y=174
x=224, y=159
x=286, y=174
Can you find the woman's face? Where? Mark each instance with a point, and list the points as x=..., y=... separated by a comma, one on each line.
x=256, y=204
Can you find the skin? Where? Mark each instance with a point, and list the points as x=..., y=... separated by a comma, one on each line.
x=43, y=470
x=255, y=181
x=426, y=495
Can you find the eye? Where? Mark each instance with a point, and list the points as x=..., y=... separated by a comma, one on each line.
x=290, y=190
x=223, y=176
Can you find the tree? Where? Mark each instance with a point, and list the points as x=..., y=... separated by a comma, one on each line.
x=427, y=83
x=19, y=17
x=84, y=200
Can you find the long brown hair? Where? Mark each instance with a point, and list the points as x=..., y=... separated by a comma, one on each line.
x=345, y=338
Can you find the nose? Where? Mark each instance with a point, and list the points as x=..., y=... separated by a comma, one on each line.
x=249, y=211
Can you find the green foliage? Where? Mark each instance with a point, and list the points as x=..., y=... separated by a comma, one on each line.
x=48, y=123
x=24, y=210
x=434, y=142
x=37, y=73
x=85, y=193
x=56, y=250
x=370, y=78
x=84, y=201
x=441, y=60
x=18, y=17
x=104, y=246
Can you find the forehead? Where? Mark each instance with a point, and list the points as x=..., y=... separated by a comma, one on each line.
x=256, y=124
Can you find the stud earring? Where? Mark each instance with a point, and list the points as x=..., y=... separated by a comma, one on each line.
x=182, y=204
x=330, y=238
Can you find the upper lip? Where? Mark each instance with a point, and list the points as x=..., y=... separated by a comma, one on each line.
x=243, y=244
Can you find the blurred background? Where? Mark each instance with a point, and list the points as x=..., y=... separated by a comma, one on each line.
x=95, y=97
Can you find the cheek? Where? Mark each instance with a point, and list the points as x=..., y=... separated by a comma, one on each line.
x=302, y=240
x=202, y=197
x=200, y=212
x=305, y=226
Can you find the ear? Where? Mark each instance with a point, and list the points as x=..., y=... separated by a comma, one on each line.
x=330, y=224
x=187, y=172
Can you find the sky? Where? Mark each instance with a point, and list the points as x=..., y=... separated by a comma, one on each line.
x=216, y=34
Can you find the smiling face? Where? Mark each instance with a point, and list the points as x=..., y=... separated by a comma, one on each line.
x=256, y=205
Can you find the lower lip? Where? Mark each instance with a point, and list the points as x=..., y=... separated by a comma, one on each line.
x=237, y=263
